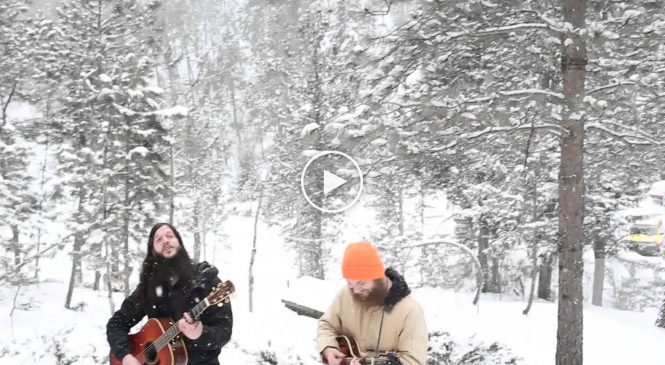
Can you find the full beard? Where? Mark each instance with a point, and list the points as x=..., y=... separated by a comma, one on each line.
x=169, y=270
x=376, y=296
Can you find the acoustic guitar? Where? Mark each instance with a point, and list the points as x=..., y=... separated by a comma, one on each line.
x=349, y=347
x=159, y=340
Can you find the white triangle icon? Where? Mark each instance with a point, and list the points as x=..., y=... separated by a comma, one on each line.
x=331, y=182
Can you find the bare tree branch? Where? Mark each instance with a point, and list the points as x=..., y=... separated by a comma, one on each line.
x=554, y=128
x=506, y=29
x=557, y=26
x=610, y=86
x=18, y=288
x=9, y=99
x=522, y=92
x=38, y=254
x=635, y=137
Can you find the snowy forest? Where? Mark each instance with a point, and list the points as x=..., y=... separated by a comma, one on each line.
x=500, y=142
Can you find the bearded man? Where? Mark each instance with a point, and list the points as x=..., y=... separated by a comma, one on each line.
x=171, y=285
x=376, y=310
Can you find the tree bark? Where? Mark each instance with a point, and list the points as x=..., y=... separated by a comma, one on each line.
x=127, y=270
x=253, y=256
x=570, y=323
x=16, y=248
x=545, y=277
x=598, y=272
x=41, y=187
x=172, y=180
x=98, y=278
x=236, y=123
x=76, y=251
x=495, y=285
x=400, y=207
x=483, y=244
x=109, y=281
x=197, y=231
x=534, y=272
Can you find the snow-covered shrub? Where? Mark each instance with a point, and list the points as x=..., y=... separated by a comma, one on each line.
x=445, y=350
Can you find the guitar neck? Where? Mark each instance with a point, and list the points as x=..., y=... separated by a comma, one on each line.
x=174, y=330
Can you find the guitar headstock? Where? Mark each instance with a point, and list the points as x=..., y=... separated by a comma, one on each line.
x=221, y=292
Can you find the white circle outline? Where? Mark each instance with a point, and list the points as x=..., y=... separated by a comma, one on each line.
x=302, y=181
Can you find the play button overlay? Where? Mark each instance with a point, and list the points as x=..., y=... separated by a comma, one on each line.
x=331, y=181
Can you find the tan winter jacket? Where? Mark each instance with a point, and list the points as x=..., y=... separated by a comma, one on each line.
x=404, y=330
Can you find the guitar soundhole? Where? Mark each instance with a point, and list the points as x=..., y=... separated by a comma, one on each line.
x=150, y=354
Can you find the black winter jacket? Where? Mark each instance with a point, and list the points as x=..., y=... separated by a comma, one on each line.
x=174, y=301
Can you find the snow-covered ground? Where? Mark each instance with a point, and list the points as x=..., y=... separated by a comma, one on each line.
x=40, y=330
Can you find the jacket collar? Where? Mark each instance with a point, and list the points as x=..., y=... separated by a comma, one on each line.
x=398, y=291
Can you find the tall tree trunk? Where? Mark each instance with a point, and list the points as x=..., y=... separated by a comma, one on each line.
x=545, y=277
x=98, y=278
x=495, y=286
x=421, y=204
x=489, y=265
x=76, y=251
x=204, y=245
x=236, y=123
x=172, y=180
x=253, y=256
x=109, y=278
x=534, y=270
x=598, y=271
x=197, y=231
x=127, y=270
x=310, y=251
x=16, y=248
x=483, y=245
x=400, y=212
x=39, y=244
x=104, y=257
x=41, y=187
x=310, y=219
x=174, y=77
x=571, y=207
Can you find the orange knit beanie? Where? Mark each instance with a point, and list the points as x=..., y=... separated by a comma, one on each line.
x=362, y=262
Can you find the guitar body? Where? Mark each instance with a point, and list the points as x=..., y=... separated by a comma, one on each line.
x=349, y=347
x=174, y=353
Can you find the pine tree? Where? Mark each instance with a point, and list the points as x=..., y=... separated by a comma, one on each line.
x=17, y=196
x=109, y=127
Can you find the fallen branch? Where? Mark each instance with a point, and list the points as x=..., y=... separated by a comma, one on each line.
x=303, y=310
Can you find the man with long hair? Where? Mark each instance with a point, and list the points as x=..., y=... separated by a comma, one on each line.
x=170, y=285
x=376, y=309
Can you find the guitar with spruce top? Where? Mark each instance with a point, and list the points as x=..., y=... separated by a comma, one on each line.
x=159, y=340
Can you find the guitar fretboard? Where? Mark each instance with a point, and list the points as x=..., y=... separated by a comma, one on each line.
x=173, y=331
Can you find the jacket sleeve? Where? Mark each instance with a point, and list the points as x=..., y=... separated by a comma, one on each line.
x=120, y=323
x=330, y=325
x=217, y=327
x=412, y=342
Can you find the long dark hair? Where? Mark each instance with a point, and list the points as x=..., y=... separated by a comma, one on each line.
x=149, y=280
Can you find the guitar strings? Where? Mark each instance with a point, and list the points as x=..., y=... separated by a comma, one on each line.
x=171, y=332
x=195, y=312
